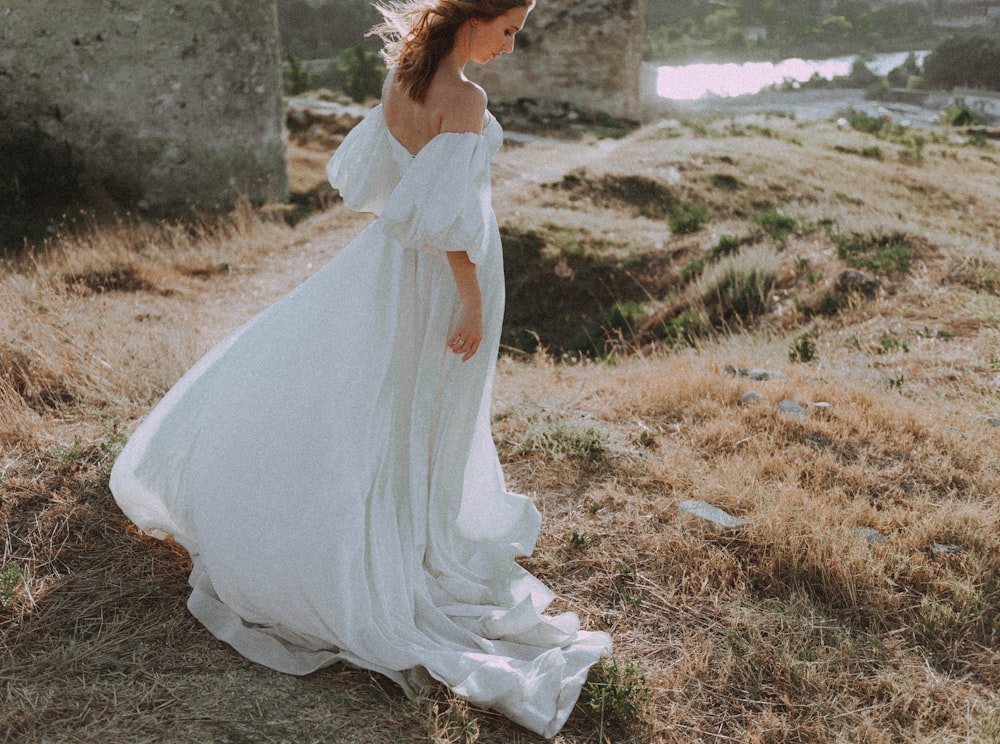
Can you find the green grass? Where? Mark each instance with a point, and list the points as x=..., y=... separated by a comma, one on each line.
x=881, y=253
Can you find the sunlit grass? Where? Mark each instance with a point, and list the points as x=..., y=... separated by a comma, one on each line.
x=801, y=626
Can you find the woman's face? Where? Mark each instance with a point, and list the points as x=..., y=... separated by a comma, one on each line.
x=493, y=38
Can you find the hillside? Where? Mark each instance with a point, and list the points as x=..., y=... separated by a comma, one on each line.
x=795, y=322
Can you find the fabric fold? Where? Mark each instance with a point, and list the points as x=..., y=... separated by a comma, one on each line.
x=362, y=168
x=443, y=201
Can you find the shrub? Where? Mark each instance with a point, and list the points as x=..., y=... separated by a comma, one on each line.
x=363, y=72
x=296, y=77
x=958, y=114
x=687, y=219
x=867, y=124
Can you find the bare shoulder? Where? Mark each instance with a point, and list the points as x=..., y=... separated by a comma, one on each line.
x=462, y=107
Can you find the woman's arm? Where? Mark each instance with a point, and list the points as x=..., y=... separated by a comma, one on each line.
x=469, y=332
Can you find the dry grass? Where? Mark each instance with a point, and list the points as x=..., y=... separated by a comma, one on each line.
x=795, y=628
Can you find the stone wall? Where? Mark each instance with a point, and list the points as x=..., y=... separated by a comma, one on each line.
x=587, y=53
x=161, y=103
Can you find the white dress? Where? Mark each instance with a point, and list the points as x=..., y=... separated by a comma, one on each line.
x=330, y=467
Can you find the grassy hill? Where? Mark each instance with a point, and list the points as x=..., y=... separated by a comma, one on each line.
x=651, y=281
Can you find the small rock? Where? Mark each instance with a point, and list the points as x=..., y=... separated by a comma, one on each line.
x=791, y=408
x=991, y=420
x=820, y=404
x=754, y=374
x=947, y=549
x=869, y=535
x=750, y=396
x=850, y=281
x=712, y=513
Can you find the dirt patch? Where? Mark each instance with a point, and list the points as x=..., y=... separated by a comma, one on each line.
x=114, y=279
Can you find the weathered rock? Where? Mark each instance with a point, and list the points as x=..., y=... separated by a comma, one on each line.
x=587, y=53
x=756, y=374
x=947, y=549
x=160, y=104
x=869, y=535
x=712, y=514
x=750, y=396
x=791, y=408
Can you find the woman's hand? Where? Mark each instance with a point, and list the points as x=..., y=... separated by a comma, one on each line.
x=468, y=334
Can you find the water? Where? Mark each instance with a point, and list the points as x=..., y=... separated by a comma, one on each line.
x=691, y=82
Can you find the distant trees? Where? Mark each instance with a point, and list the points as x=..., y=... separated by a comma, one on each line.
x=296, y=78
x=972, y=61
x=323, y=30
x=777, y=27
x=363, y=72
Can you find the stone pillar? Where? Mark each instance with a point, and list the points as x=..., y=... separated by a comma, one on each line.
x=587, y=53
x=162, y=104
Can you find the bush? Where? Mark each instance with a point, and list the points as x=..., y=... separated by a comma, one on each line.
x=363, y=72
x=958, y=114
x=687, y=219
x=867, y=124
x=296, y=77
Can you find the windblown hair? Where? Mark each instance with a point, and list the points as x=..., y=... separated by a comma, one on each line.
x=418, y=34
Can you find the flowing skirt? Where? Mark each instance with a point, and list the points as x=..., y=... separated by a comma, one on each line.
x=330, y=468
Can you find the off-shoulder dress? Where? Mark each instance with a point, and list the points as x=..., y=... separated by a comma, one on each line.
x=330, y=468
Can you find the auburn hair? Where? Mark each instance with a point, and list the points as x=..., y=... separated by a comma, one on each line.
x=418, y=34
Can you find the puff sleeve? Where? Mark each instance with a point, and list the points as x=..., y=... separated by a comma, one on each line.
x=443, y=201
x=363, y=168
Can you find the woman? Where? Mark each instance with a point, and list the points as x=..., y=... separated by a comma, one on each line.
x=329, y=466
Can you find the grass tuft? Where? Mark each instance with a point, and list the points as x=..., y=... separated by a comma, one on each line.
x=737, y=290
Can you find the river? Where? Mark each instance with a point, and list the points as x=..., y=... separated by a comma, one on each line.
x=695, y=81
